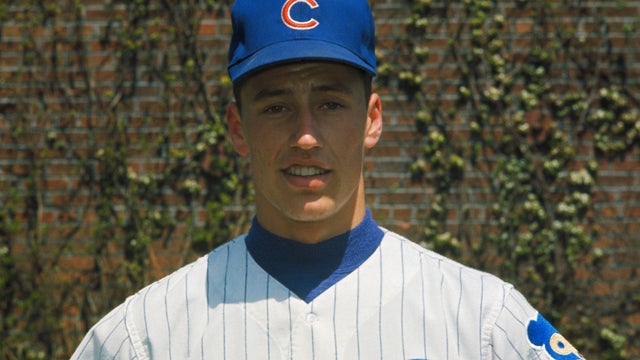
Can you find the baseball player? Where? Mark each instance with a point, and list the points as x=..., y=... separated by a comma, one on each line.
x=315, y=277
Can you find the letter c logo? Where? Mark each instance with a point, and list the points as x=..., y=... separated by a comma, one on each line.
x=294, y=24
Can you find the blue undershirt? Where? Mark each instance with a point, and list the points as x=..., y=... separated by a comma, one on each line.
x=310, y=269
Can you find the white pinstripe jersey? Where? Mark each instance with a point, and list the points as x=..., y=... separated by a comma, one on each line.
x=404, y=302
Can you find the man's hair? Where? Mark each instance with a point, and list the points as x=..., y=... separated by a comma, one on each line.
x=367, y=80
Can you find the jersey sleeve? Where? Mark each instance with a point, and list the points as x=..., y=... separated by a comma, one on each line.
x=110, y=338
x=521, y=332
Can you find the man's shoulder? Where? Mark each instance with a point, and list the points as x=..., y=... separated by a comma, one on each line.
x=195, y=271
x=143, y=318
x=177, y=290
x=438, y=265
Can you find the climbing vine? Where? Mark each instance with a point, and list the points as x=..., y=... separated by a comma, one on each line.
x=146, y=178
x=511, y=135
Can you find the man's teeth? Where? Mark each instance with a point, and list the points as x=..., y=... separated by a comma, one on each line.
x=305, y=171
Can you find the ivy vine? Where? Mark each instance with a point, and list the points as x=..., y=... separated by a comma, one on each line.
x=143, y=179
x=511, y=136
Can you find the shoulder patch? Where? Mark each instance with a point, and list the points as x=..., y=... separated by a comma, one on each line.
x=542, y=333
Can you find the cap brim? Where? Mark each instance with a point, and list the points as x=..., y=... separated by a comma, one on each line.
x=297, y=50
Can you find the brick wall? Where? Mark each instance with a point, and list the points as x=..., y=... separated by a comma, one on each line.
x=63, y=91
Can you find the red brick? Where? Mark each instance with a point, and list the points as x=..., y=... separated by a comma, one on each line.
x=207, y=29
x=524, y=26
x=76, y=263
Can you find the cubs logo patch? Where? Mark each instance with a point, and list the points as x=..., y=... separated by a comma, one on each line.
x=289, y=20
x=542, y=333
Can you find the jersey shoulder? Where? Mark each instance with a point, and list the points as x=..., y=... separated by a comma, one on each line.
x=184, y=287
x=147, y=318
x=172, y=285
x=439, y=265
x=510, y=326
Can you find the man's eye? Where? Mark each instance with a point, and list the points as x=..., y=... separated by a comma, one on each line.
x=274, y=109
x=332, y=106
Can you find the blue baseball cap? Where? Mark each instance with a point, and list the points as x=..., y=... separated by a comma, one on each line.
x=271, y=32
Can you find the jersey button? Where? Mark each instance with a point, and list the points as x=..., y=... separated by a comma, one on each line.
x=311, y=318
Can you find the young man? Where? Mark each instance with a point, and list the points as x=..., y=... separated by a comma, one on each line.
x=315, y=277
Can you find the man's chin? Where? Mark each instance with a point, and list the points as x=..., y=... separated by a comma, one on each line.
x=310, y=209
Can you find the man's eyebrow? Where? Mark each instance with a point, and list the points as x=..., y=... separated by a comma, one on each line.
x=269, y=93
x=334, y=87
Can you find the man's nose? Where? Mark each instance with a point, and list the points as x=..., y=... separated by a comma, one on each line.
x=307, y=136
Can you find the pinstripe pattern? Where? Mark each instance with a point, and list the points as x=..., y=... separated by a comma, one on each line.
x=244, y=305
x=358, y=337
x=335, y=336
x=402, y=326
x=403, y=302
x=224, y=302
x=290, y=327
x=168, y=324
x=458, y=324
x=267, y=312
x=380, y=304
x=443, y=305
x=188, y=313
x=424, y=311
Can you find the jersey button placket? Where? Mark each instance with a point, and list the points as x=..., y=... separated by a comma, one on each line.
x=311, y=318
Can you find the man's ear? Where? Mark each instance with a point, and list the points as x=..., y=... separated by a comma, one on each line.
x=374, y=121
x=235, y=129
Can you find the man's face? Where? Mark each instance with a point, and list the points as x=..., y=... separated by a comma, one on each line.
x=305, y=127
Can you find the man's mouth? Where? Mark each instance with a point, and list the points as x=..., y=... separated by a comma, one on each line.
x=305, y=171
